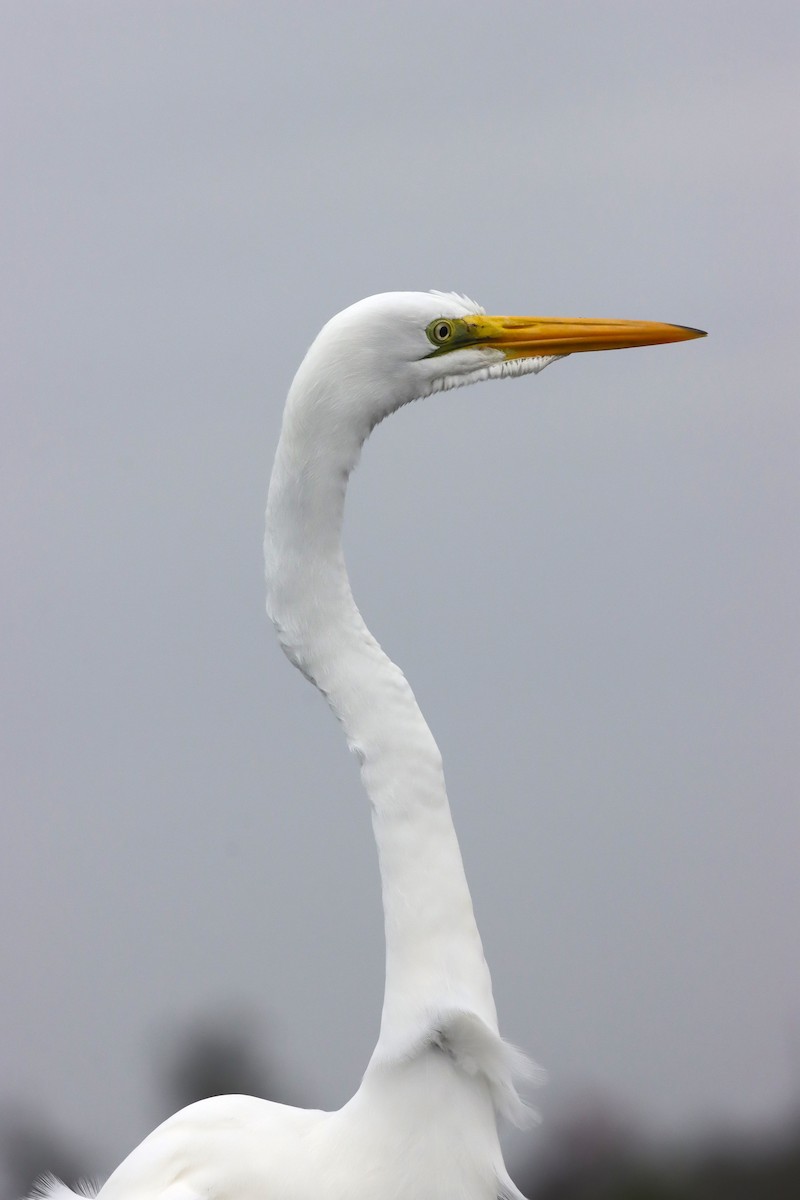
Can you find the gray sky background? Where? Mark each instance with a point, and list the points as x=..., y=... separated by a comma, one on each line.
x=590, y=577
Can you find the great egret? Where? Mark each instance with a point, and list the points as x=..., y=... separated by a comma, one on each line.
x=423, y=1123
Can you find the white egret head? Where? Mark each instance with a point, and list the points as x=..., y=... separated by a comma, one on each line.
x=389, y=349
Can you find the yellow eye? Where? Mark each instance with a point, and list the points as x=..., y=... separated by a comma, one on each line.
x=440, y=331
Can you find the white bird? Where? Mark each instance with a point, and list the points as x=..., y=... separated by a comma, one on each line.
x=423, y=1124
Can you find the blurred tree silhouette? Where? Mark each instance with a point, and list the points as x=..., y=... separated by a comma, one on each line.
x=219, y=1056
x=593, y=1156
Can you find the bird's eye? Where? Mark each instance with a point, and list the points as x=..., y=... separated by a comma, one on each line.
x=440, y=332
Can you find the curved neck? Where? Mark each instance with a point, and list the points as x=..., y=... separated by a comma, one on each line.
x=434, y=957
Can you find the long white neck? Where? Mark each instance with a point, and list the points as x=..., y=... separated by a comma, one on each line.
x=434, y=957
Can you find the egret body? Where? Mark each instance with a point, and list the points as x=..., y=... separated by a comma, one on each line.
x=423, y=1125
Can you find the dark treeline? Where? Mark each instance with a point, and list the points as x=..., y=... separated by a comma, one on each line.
x=589, y=1158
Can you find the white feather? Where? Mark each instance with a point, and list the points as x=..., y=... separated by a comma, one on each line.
x=50, y=1188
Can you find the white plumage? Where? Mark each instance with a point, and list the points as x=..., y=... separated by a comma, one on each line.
x=423, y=1123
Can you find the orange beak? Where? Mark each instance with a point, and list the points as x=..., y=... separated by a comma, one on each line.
x=528, y=337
